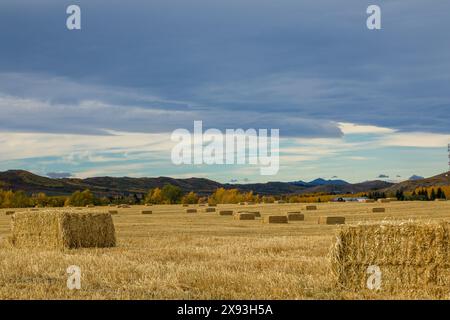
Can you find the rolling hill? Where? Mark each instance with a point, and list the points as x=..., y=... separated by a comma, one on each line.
x=112, y=186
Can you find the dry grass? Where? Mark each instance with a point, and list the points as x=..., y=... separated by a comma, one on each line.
x=171, y=255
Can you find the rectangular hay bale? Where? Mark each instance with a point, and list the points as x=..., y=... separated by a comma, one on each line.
x=295, y=216
x=331, y=220
x=244, y=216
x=113, y=211
x=226, y=212
x=412, y=257
x=375, y=210
x=210, y=210
x=191, y=210
x=309, y=208
x=275, y=219
x=60, y=229
x=146, y=212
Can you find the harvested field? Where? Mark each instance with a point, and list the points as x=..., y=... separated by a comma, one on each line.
x=178, y=256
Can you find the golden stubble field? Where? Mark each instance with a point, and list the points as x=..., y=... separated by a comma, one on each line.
x=174, y=255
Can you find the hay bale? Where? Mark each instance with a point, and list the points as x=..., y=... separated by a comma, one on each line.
x=202, y=205
x=279, y=201
x=34, y=209
x=256, y=213
x=9, y=212
x=212, y=205
x=226, y=212
x=185, y=205
x=210, y=209
x=310, y=208
x=440, y=200
x=331, y=220
x=413, y=257
x=295, y=216
x=90, y=206
x=369, y=201
x=59, y=230
x=123, y=206
x=113, y=211
x=275, y=219
x=244, y=216
x=146, y=212
x=191, y=210
x=241, y=203
x=375, y=210
x=383, y=200
x=148, y=204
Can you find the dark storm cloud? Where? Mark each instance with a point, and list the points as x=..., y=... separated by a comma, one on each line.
x=293, y=65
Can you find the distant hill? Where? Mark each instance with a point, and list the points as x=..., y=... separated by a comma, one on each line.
x=410, y=185
x=320, y=182
x=111, y=186
x=415, y=177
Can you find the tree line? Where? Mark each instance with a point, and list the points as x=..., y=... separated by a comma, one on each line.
x=170, y=194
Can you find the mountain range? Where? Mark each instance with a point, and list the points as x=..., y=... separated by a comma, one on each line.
x=112, y=186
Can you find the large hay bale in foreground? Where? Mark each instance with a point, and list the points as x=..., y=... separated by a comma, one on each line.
x=310, y=208
x=146, y=212
x=59, y=230
x=226, y=212
x=411, y=256
x=210, y=209
x=275, y=219
x=191, y=210
x=244, y=216
x=295, y=216
x=331, y=220
x=375, y=210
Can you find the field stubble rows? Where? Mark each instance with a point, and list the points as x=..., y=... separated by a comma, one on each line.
x=171, y=254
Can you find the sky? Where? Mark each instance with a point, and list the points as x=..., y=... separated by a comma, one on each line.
x=349, y=102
